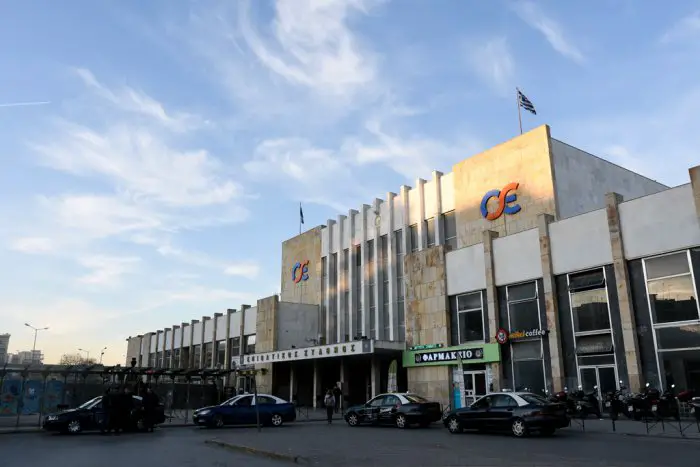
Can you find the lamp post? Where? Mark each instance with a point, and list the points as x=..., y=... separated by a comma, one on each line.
x=87, y=352
x=102, y=353
x=36, y=331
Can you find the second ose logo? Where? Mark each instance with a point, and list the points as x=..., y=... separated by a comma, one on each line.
x=505, y=197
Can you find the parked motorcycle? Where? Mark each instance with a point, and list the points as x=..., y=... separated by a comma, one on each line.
x=616, y=403
x=586, y=402
x=645, y=404
x=695, y=407
x=667, y=405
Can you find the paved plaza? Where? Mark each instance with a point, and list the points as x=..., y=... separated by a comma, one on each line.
x=318, y=444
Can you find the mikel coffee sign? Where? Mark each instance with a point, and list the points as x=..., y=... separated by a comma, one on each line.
x=503, y=336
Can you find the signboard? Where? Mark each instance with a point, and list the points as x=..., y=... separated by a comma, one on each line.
x=425, y=347
x=505, y=197
x=300, y=271
x=469, y=353
x=319, y=351
x=503, y=336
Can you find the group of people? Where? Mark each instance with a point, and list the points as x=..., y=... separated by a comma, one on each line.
x=119, y=409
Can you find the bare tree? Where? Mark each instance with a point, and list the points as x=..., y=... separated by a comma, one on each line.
x=76, y=359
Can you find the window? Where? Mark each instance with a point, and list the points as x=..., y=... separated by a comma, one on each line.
x=502, y=401
x=430, y=231
x=359, y=284
x=386, y=297
x=589, y=301
x=377, y=401
x=250, y=344
x=265, y=400
x=221, y=353
x=400, y=285
x=345, y=333
x=670, y=288
x=415, y=239
x=534, y=399
x=470, y=318
x=449, y=225
x=527, y=356
x=246, y=401
x=197, y=352
x=415, y=399
x=176, y=358
x=208, y=354
x=391, y=400
x=483, y=403
x=372, y=288
x=235, y=343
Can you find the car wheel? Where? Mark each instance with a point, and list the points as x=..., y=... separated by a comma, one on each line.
x=276, y=419
x=401, y=421
x=519, y=428
x=74, y=427
x=453, y=425
x=353, y=419
x=218, y=421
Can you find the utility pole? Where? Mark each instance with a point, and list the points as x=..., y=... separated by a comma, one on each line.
x=36, y=331
x=102, y=353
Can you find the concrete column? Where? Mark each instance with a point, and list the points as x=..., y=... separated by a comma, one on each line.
x=375, y=377
x=624, y=297
x=406, y=215
x=439, y=233
x=316, y=384
x=171, y=360
x=694, y=173
x=329, y=331
x=422, y=235
x=551, y=305
x=352, y=276
x=341, y=282
x=227, y=344
x=492, y=303
x=377, y=271
x=241, y=330
x=159, y=348
x=202, y=352
x=183, y=329
x=191, y=363
x=215, y=341
x=292, y=381
x=343, y=378
x=391, y=271
x=365, y=272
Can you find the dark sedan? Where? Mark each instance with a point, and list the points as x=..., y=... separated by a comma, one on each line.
x=90, y=416
x=399, y=409
x=517, y=412
x=241, y=410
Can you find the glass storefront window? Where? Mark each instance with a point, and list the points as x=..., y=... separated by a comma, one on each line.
x=529, y=376
x=589, y=309
x=681, y=368
x=670, y=288
x=678, y=337
x=524, y=315
x=470, y=316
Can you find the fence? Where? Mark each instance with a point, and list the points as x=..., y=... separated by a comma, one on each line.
x=26, y=394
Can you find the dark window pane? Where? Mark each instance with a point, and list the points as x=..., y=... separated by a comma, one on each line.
x=430, y=230
x=527, y=350
x=415, y=240
x=471, y=326
x=682, y=337
x=673, y=299
x=669, y=265
x=522, y=292
x=449, y=223
x=470, y=301
x=590, y=310
x=529, y=376
x=524, y=316
x=586, y=280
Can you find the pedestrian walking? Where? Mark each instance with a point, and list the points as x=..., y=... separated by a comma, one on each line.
x=329, y=402
x=337, y=394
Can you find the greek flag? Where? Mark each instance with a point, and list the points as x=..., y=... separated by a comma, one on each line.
x=525, y=103
x=301, y=214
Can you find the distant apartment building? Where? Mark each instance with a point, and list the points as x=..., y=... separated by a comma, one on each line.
x=27, y=357
x=4, y=347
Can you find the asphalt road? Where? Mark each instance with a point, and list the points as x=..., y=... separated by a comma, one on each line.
x=340, y=445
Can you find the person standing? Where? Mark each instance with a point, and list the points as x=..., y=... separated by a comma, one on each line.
x=329, y=402
x=108, y=412
x=337, y=393
x=150, y=404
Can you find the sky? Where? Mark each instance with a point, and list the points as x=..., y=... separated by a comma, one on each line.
x=158, y=182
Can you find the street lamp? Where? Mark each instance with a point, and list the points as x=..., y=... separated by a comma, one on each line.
x=87, y=352
x=102, y=353
x=36, y=331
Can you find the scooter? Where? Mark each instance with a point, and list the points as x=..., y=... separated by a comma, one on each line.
x=586, y=402
x=667, y=405
x=644, y=404
x=695, y=408
x=615, y=403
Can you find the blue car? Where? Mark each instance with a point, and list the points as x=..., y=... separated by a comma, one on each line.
x=241, y=410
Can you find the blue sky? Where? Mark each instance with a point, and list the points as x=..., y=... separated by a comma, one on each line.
x=180, y=138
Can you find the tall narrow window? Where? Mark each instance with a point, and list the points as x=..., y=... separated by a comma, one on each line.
x=527, y=354
x=430, y=231
x=324, y=297
x=400, y=287
x=333, y=291
x=386, y=297
x=359, y=285
x=470, y=318
x=345, y=332
x=415, y=239
x=372, y=288
x=449, y=226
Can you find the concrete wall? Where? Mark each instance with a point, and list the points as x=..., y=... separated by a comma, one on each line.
x=266, y=340
x=297, y=325
x=580, y=242
x=582, y=180
x=133, y=349
x=427, y=319
x=659, y=223
x=517, y=258
x=465, y=270
x=525, y=160
x=306, y=246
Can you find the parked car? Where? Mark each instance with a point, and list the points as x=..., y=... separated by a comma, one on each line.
x=89, y=416
x=398, y=409
x=521, y=413
x=241, y=410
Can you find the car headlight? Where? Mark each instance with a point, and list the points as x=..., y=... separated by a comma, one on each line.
x=203, y=412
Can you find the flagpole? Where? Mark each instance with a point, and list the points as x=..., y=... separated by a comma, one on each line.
x=520, y=118
x=300, y=221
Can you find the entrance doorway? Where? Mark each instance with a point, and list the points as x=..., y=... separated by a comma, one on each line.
x=474, y=386
x=602, y=377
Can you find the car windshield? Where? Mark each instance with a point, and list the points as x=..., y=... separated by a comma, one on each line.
x=415, y=399
x=534, y=399
x=90, y=403
x=232, y=400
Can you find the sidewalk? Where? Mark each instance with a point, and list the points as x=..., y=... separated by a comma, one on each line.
x=686, y=429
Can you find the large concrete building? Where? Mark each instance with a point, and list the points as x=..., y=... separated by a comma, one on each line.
x=535, y=264
x=4, y=348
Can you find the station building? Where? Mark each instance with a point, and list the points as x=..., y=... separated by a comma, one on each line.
x=531, y=265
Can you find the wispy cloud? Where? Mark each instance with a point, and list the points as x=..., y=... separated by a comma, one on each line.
x=32, y=245
x=687, y=28
x=492, y=62
x=536, y=18
x=107, y=270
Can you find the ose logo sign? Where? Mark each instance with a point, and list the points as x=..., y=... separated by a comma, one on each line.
x=300, y=271
x=505, y=197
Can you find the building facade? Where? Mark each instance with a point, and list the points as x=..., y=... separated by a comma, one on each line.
x=531, y=265
x=4, y=348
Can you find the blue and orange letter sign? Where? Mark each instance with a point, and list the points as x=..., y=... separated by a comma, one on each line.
x=300, y=271
x=505, y=197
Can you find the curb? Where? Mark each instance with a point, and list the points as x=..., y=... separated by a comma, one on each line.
x=257, y=452
x=21, y=432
